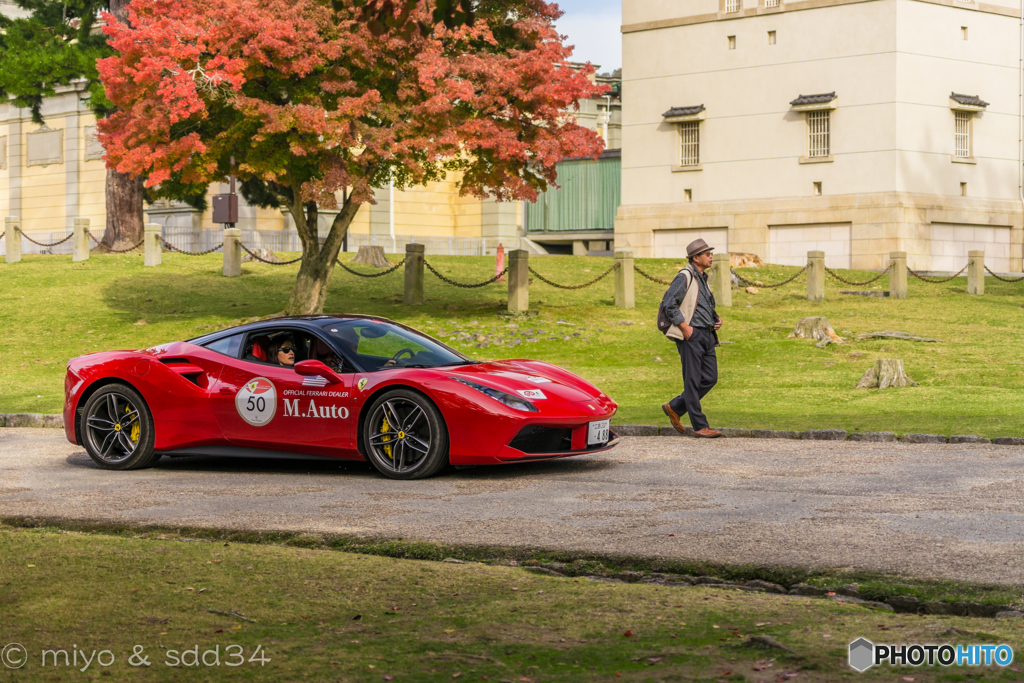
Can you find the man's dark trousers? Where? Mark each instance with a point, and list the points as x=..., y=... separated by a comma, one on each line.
x=700, y=374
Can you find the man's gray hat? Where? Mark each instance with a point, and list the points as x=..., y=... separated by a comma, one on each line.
x=698, y=246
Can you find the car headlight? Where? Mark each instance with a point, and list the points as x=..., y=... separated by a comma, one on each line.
x=509, y=400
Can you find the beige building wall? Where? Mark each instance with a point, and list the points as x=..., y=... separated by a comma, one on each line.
x=891, y=179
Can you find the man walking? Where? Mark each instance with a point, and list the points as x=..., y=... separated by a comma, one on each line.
x=688, y=316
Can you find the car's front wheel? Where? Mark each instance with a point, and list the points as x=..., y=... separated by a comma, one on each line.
x=405, y=436
x=117, y=429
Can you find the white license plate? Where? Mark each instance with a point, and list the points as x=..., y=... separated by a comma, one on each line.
x=597, y=432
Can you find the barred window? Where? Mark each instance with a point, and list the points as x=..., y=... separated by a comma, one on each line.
x=771, y=3
x=962, y=138
x=732, y=5
x=689, y=132
x=819, y=133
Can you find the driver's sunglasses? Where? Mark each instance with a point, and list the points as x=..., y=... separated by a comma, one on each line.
x=287, y=349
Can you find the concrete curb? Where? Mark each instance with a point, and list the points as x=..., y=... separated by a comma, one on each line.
x=822, y=435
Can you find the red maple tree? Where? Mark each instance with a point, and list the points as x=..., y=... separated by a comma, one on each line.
x=317, y=110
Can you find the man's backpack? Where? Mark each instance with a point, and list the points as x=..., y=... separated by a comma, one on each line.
x=663, y=322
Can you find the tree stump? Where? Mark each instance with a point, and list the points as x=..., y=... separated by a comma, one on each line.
x=818, y=329
x=886, y=372
x=263, y=253
x=372, y=255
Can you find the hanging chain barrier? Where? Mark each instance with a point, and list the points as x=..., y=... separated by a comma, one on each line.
x=463, y=284
x=777, y=284
x=115, y=251
x=190, y=253
x=937, y=282
x=1004, y=279
x=651, y=277
x=40, y=244
x=585, y=284
x=383, y=272
x=263, y=260
x=857, y=284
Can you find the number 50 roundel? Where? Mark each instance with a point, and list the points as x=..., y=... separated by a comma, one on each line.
x=257, y=401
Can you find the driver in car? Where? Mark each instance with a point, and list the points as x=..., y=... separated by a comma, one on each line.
x=282, y=351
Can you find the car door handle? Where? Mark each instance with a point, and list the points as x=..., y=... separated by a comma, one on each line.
x=225, y=390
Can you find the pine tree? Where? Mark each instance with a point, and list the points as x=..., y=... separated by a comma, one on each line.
x=57, y=45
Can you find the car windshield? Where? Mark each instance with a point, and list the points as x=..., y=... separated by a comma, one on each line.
x=378, y=345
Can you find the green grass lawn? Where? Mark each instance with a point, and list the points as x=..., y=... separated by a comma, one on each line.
x=284, y=613
x=970, y=382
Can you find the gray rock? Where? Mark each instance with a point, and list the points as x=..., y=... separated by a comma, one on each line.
x=1009, y=614
x=671, y=431
x=542, y=570
x=635, y=430
x=941, y=608
x=773, y=434
x=766, y=586
x=53, y=421
x=560, y=567
x=805, y=589
x=850, y=589
x=708, y=581
x=3, y=419
x=24, y=420
x=604, y=579
x=824, y=434
x=733, y=433
x=969, y=438
x=667, y=579
x=976, y=609
x=904, y=603
x=628, y=576
x=1008, y=441
x=872, y=436
x=452, y=560
x=923, y=438
x=865, y=603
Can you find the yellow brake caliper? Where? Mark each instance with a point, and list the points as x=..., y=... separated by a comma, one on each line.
x=136, y=428
x=387, y=448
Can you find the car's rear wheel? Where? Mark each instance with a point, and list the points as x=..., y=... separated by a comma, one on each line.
x=405, y=436
x=118, y=429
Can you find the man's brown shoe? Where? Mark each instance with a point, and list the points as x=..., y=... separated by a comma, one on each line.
x=673, y=418
x=707, y=433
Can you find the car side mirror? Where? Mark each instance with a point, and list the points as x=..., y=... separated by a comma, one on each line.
x=315, y=368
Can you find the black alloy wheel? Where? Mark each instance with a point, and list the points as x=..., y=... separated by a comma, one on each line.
x=405, y=436
x=117, y=429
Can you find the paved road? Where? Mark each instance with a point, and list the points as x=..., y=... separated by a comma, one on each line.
x=954, y=511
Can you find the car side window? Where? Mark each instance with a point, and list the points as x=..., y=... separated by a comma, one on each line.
x=228, y=345
x=260, y=346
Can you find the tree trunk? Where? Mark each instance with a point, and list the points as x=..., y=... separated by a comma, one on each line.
x=816, y=328
x=124, y=210
x=310, y=291
x=885, y=373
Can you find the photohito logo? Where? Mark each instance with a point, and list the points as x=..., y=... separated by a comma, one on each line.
x=14, y=656
x=864, y=654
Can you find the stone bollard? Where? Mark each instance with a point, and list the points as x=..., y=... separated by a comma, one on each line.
x=12, y=239
x=898, y=275
x=80, y=242
x=151, y=243
x=721, y=279
x=976, y=272
x=624, y=285
x=414, y=274
x=518, y=281
x=815, y=276
x=232, y=252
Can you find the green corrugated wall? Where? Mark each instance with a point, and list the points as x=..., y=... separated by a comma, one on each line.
x=588, y=199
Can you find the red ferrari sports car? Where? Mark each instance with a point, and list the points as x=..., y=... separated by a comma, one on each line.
x=349, y=386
